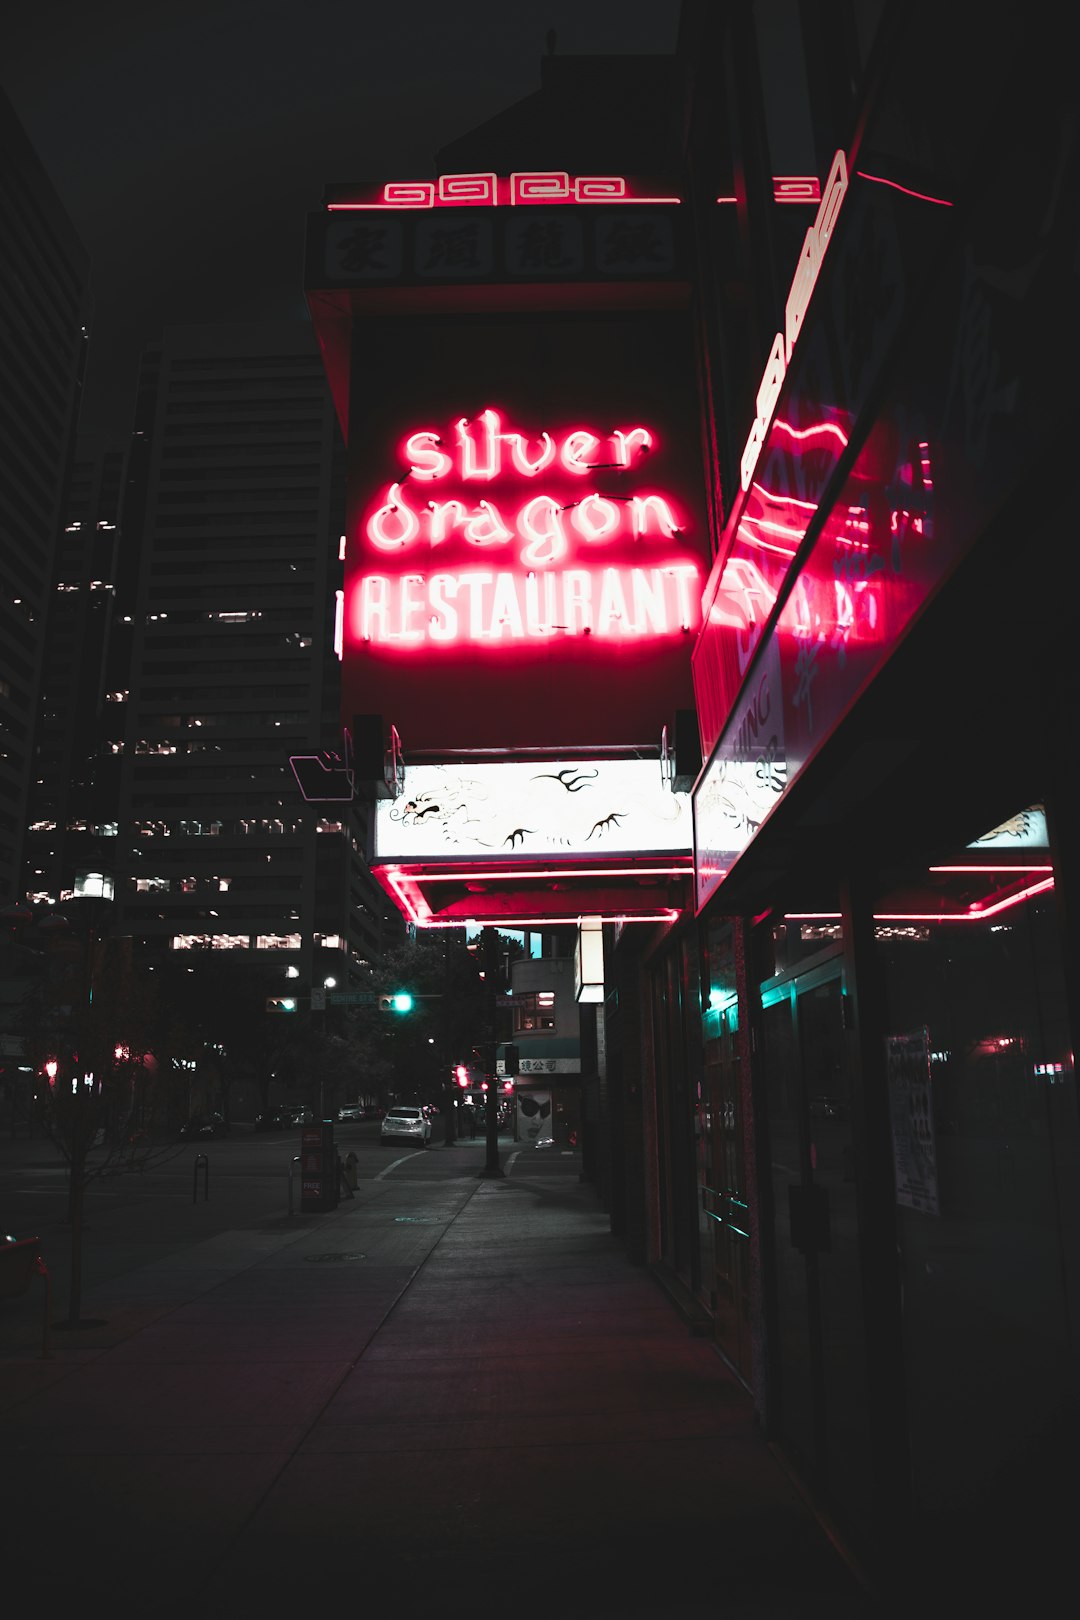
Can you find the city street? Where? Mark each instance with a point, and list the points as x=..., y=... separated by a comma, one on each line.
x=192, y=1192
x=450, y=1384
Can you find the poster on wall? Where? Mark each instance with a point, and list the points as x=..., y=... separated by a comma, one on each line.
x=911, y=1110
x=534, y=1117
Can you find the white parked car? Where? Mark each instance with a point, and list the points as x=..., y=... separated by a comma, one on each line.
x=350, y=1111
x=406, y=1124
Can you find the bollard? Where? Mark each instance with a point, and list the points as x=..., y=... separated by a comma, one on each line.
x=294, y=1161
x=200, y=1159
x=351, y=1162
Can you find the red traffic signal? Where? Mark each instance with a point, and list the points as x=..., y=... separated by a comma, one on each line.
x=461, y=1075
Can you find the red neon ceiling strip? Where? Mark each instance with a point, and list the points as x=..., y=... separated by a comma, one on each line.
x=422, y=874
x=977, y=913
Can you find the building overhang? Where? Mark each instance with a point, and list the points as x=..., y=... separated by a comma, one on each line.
x=449, y=894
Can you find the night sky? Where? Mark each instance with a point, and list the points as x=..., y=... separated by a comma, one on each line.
x=188, y=142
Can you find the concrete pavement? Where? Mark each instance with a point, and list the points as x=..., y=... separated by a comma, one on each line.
x=451, y=1392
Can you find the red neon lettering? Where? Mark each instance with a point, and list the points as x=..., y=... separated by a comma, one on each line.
x=802, y=286
x=443, y=624
x=473, y=585
x=395, y=524
x=599, y=188
x=806, y=273
x=835, y=187
x=409, y=194
x=489, y=606
x=468, y=188
x=488, y=190
x=627, y=443
x=425, y=459
x=486, y=527
x=596, y=518
x=772, y=380
x=751, y=451
x=576, y=600
x=612, y=605
x=505, y=609
x=374, y=590
x=576, y=450
x=792, y=188
x=444, y=515
x=484, y=459
x=480, y=450
x=412, y=604
x=644, y=506
x=482, y=462
x=519, y=456
x=541, y=524
x=539, y=187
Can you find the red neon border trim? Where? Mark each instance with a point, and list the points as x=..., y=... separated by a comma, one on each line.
x=977, y=913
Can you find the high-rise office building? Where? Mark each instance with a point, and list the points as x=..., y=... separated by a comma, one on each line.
x=238, y=478
x=72, y=828
x=44, y=317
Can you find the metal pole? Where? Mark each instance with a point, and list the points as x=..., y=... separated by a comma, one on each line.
x=492, y=1167
x=201, y=1160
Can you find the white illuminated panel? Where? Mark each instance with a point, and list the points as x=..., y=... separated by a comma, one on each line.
x=1026, y=830
x=592, y=809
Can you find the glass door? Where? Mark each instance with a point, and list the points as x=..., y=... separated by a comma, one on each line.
x=818, y=1349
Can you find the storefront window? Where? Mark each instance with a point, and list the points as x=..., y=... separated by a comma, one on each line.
x=986, y=1154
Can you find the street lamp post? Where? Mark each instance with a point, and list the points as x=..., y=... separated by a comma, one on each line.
x=94, y=913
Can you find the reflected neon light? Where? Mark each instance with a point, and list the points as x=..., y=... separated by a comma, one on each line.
x=803, y=282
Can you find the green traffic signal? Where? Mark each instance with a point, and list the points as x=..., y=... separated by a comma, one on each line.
x=401, y=1002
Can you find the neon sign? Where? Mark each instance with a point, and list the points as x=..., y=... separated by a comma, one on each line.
x=644, y=586
x=532, y=186
x=807, y=270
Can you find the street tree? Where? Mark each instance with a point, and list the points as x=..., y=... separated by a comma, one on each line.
x=108, y=1056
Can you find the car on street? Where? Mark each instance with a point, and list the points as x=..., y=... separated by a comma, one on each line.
x=301, y=1116
x=405, y=1124
x=273, y=1119
x=198, y=1128
x=350, y=1111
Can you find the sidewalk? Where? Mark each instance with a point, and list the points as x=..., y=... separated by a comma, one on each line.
x=444, y=1395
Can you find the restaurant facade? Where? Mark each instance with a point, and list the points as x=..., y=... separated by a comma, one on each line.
x=787, y=452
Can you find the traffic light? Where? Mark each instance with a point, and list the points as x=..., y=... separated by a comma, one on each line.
x=511, y=1060
x=461, y=1075
x=508, y=1085
x=400, y=1001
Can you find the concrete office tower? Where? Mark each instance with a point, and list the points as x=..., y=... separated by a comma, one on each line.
x=71, y=837
x=241, y=491
x=44, y=316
